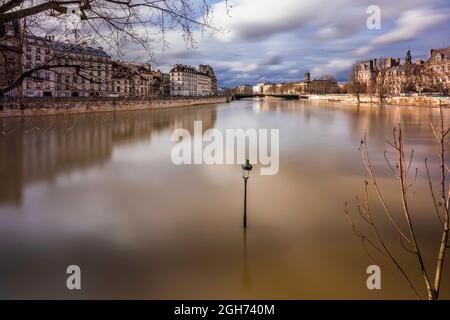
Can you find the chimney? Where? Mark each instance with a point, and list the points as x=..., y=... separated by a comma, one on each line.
x=431, y=53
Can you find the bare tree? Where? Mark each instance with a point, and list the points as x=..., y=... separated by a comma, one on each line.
x=401, y=168
x=382, y=80
x=272, y=89
x=287, y=88
x=355, y=85
x=326, y=84
x=409, y=81
x=115, y=24
x=372, y=88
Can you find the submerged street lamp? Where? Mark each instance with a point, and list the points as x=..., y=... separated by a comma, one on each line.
x=246, y=175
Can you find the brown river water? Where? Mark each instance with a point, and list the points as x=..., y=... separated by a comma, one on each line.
x=100, y=191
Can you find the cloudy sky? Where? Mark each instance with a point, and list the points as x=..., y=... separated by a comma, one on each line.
x=267, y=40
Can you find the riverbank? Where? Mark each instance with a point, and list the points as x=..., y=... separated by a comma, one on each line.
x=55, y=106
x=399, y=100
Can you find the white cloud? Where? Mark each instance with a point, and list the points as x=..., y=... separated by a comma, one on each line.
x=332, y=67
x=411, y=24
x=257, y=19
x=268, y=40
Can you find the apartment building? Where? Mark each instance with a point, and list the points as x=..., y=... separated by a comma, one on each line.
x=204, y=85
x=209, y=71
x=67, y=69
x=133, y=80
x=188, y=81
x=10, y=61
x=70, y=70
x=59, y=68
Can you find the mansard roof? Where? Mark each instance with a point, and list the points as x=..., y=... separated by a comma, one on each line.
x=183, y=68
x=71, y=48
x=189, y=69
x=98, y=52
x=444, y=51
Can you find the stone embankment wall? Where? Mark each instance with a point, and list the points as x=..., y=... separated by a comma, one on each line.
x=51, y=106
x=401, y=101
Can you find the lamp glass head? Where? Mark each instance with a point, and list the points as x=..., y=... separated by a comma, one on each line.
x=246, y=169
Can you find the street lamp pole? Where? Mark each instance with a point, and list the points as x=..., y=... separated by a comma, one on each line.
x=245, y=202
x=246, y=175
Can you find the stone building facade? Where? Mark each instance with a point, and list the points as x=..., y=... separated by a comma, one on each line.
x=209, y=71
x=245, y=89
x=305, y=86
x=133, y=80
x=439, y=63
x=53, y=68
x=63, y=69
x=10, y=60
x=432, y=75
x=188, y=81
x=161, y=83
x=78, y=71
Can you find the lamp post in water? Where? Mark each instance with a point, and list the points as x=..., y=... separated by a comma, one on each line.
x=246, y=175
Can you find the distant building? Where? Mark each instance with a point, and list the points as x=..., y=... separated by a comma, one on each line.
x=307, y=77
x=245, y=89
x=323, y=86
x=305, y=86
x=268, y=88
x=208, y=70
x=161, y=83
x=432, y=75
x=258, y=89
x=133, y=80
x=188, y=81
x=439, y=65
x=367, y=71
x=204, y=85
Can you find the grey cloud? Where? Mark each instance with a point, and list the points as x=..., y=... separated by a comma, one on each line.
x=272, y=60
x=267, y=52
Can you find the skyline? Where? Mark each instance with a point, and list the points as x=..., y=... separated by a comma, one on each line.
x=265, y=41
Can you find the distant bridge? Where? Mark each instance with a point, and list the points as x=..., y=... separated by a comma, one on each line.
x=238, y=96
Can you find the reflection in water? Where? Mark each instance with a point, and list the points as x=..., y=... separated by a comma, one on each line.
x=100, y=191
x=246, y=280
x=42, y=148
